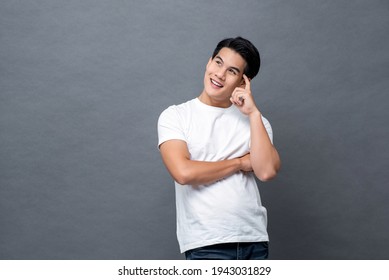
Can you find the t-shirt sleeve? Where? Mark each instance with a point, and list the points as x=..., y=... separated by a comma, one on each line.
x=170, y=126
x=269, y=130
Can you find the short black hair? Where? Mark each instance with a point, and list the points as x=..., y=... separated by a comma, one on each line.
x=246, y=49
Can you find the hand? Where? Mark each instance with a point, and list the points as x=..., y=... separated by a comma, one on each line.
x=245, y=163
x=243, y=99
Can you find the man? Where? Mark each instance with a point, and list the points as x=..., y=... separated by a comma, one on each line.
x=214, y=146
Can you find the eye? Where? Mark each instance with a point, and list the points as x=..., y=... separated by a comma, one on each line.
x=232, y=71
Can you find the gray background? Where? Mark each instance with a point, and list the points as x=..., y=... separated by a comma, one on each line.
x=82, y=84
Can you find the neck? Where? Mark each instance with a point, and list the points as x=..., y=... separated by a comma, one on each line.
x=206, y=99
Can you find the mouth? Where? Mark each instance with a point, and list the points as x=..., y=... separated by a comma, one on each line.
x=216, y=84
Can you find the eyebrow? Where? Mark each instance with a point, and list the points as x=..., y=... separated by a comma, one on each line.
x=232, y=67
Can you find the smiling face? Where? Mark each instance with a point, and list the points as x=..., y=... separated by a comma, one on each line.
x=222, y=75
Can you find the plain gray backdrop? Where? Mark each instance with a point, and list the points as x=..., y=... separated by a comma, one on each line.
x=82, y=84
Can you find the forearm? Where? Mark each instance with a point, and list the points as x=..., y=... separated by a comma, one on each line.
x=185, y=171
x=204, y=172
x=265, y=160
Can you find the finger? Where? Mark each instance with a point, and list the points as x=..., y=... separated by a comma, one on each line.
x=234, y=101
x=238, y=96
x=238, y=91
x=247, y=81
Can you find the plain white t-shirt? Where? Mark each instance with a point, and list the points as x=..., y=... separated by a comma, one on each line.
x=229, y=210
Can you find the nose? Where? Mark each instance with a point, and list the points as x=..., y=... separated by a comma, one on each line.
x=221, y=73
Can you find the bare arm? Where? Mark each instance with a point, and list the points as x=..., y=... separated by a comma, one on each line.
x=264, y=156
x=265, y=160
x=185, y=171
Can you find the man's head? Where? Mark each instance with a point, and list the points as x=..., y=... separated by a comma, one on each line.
x=246, y=50
x=224, y=72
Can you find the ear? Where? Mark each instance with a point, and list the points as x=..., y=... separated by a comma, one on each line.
x=242, y=83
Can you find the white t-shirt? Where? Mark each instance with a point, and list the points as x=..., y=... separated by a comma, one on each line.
x=229, y=210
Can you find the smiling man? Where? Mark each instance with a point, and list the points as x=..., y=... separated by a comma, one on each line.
x=213, y=146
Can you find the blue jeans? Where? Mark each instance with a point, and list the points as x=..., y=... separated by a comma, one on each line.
x=230, y=251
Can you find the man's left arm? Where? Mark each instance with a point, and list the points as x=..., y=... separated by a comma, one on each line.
x=265, y=159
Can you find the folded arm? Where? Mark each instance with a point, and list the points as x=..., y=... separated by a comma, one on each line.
x=176, y=157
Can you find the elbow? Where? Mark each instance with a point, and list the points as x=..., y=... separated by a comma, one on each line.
x=267, y=171
x=266, y=176
x=183, y=178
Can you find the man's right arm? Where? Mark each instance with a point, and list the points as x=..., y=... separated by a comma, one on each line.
x=176, y=157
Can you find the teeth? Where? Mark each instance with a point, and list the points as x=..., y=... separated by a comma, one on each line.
x=216, y=83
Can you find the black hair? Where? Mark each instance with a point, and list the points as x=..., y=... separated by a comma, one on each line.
x=246, y=50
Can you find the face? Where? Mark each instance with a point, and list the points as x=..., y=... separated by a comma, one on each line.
x=222, y=75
